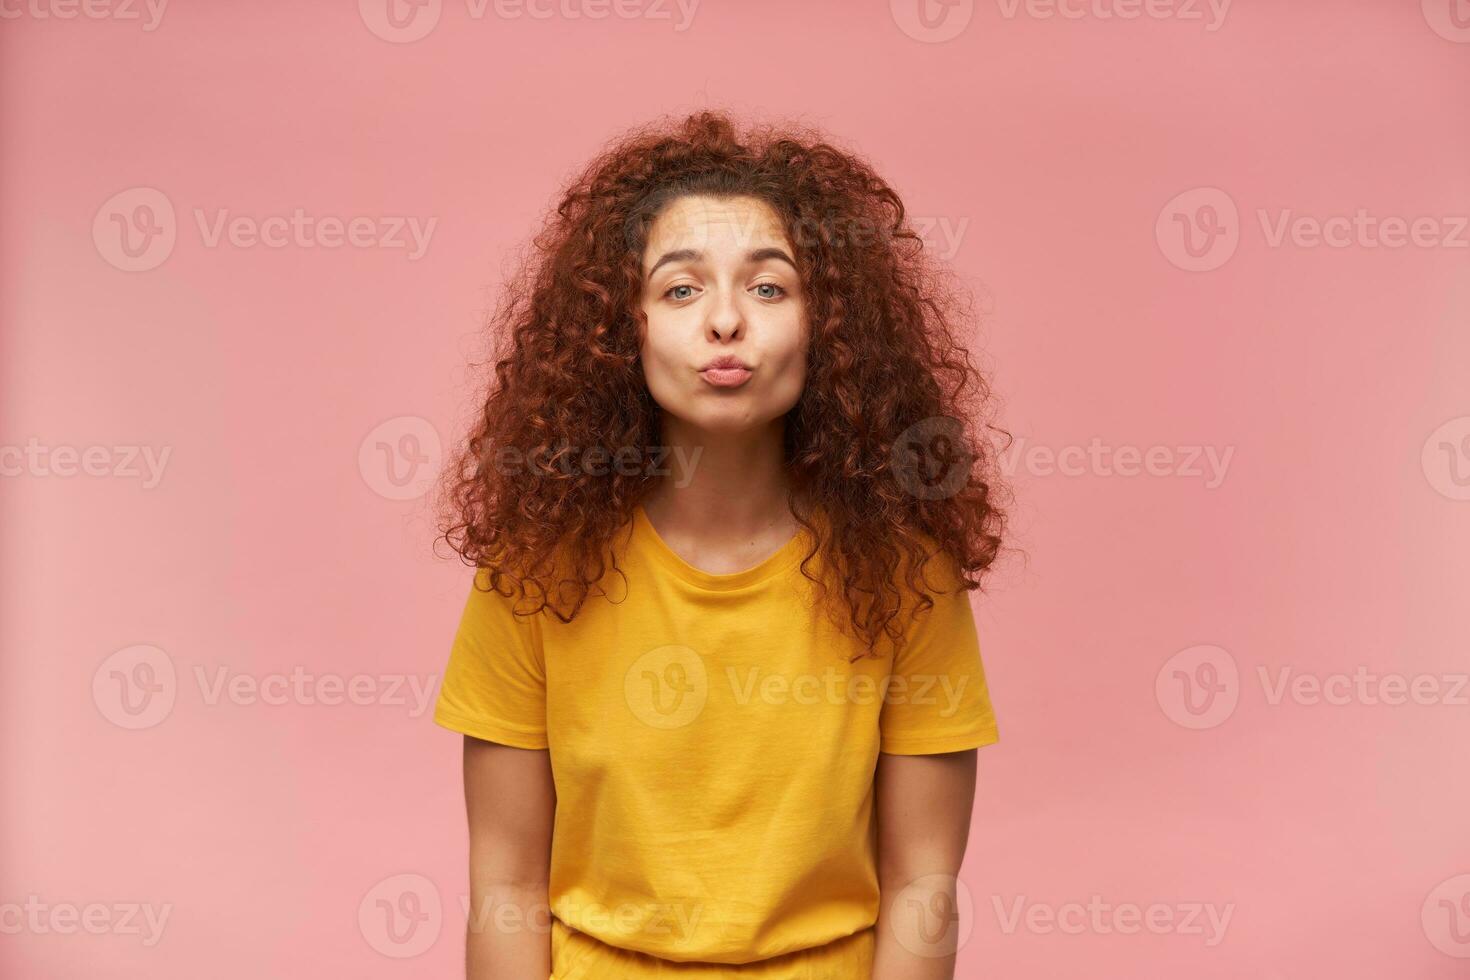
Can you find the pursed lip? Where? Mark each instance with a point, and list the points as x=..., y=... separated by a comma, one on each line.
x=726, y=371
x=726, y=361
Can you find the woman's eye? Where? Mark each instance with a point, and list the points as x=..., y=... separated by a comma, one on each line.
x=771, y=291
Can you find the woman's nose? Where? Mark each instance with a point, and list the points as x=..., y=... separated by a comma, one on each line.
x=725, y=318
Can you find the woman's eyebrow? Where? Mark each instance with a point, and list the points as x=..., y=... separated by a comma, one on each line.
x=761, y=254
x=688, y=254
x=678, y=255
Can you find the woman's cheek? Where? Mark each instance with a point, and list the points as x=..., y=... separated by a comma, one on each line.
x=661, y=379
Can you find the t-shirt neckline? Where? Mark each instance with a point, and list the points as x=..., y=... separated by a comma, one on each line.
x=781, y=560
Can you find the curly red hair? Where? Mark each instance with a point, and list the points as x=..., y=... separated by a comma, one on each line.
x=890, y=396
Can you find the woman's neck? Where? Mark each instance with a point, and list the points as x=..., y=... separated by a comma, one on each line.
x=728, y=500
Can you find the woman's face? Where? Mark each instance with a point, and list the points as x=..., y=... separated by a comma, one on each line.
x=725, y=346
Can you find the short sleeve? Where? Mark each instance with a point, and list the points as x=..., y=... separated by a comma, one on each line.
x=937, y=699
x=494, y=686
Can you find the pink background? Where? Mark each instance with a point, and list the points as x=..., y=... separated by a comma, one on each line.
x=1337, y=541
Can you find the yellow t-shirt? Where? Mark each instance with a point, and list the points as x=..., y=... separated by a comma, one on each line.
x=713, y=749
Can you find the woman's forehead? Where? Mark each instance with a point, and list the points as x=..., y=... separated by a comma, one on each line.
x=715, y=224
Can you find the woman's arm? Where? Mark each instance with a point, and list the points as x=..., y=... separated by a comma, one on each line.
x=511, y=802
x=924, y=805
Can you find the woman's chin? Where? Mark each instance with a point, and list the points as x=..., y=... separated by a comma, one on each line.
x=727, y=421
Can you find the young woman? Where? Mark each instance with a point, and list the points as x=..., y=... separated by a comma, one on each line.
x=719, y=676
